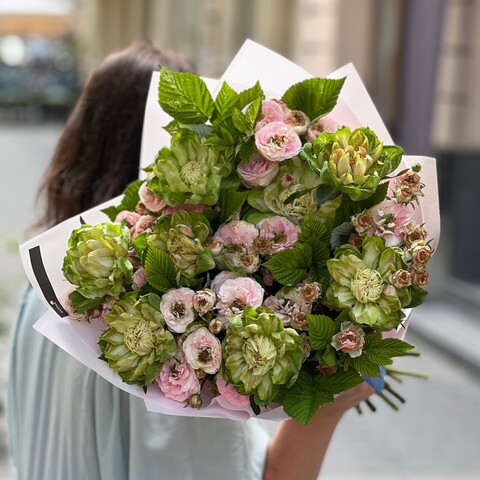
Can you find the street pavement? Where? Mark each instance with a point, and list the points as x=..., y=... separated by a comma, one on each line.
x=436, y=435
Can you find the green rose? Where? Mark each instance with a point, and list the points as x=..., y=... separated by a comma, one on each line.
x=360, y=282
x=354, y=162
x=136, y=343
x=260, y=354
x=97, y=260
x=183, y=234
x=187, y=173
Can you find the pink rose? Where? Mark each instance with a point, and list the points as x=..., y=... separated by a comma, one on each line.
x=237, y=232
x=235, y=295
x=271, y=111
x=349, y=340
x=229, y=393
x=297, y=120
x=139, y=279
x=257, y=172
x=420, y=278
x=324, y=124
x=177, y=308
x=277, y=141
x=221, y=278
x=150, y=200
x=144, y=224
x=363, y=222
x=419, y=253
x=391, y=220
x=130, y=218
x=203, y=350
x=106, y=308
x=177, y=380
x=282, y=232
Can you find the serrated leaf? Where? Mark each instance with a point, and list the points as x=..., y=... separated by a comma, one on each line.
x=227, y=98
x=320, y=255
x=184, y=96
x=346, y=209
x=160, y=269
x=253, y=112
x=230, y=201
x=290, y=266
x=321, y=329
x=325, y=193
x=312, y=228
x=239, y=121
x=247, y=149
x=382, y=353
x=365, y=366
x=340, y=381
x=249, y=95
x=314, y=96
x=329, y=356
x=172, y=127
x=304, y=398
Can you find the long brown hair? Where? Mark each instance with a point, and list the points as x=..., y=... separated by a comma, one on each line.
x=98, y=152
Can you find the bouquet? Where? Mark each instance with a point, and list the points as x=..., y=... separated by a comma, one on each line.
x=265, y=263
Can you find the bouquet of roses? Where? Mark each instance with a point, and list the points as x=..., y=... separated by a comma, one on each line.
x=263, y=259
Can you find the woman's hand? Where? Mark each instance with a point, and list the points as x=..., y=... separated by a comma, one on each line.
x=297, y=451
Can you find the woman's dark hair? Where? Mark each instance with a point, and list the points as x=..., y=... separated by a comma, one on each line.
x=98, y=152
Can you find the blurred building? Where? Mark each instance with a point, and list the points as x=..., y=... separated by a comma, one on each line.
x=37, y=57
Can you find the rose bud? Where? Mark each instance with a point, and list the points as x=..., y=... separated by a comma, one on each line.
x=311, y=291
x=214, y=245
x=355, y=239
x=306, y=345
x=215, y=326
x=249, y=262
x=420, y=278
x=299, y=321
x=297, y=120
x=415, y=233
x=287, y=180
x=325, y=369
x=195, y=401
x=401, y=279
x=204, y=301
x=200, y=374
x=363, y=222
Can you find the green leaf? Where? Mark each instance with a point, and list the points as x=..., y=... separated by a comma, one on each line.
x=346, y=209
x=329, y=356
x=129, y=201
x=343, y=316
x=392, y=159
x=290, y=266
x=230, y=201
x=304, y=398
x=320, y=255
x=184, y=96
x=200, y=129
x=340, y=234
x=314, y=96
x=204, y=262
x=340, y=381
x=365, y=366
x=253, y=112
x=312, y=228
x=249, y=95
x=160, y=269
x=382, y=353
x=172, y=127
x=240, y=121
x=325, y=193
x=247, y=149
x=82, y=304
x=227, y=98
x=378, y=197
x=140, y=243
x=418, y=296
x=306, y=154
x=321, y=329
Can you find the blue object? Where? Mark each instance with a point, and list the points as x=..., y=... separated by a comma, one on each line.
x=378, y=383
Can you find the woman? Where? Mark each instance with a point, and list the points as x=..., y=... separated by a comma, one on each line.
x=67, y=423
